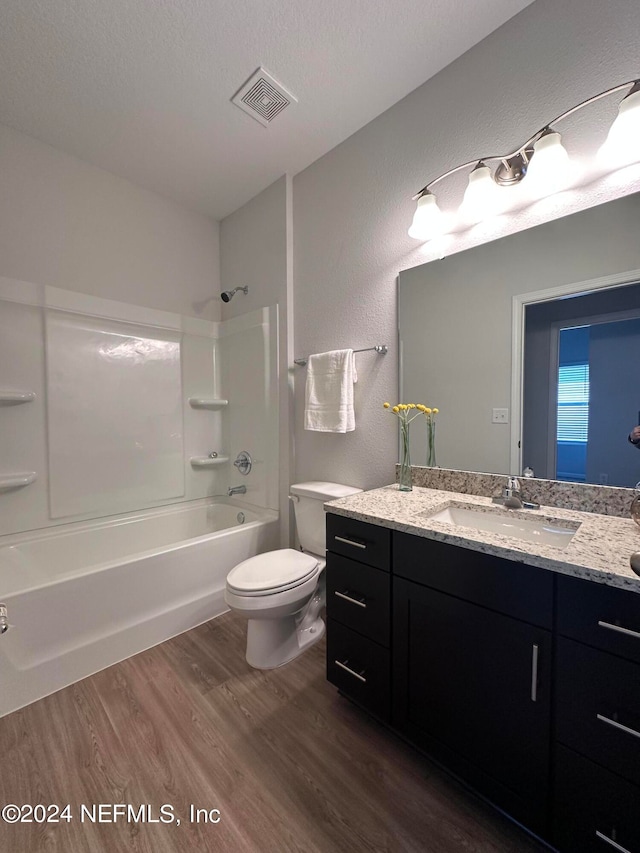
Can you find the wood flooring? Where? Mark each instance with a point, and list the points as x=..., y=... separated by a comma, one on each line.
x=289, y=763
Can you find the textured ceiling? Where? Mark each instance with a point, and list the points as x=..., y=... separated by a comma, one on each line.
x=142, y=88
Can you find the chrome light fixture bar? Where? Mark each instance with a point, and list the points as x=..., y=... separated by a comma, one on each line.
x=542, y=159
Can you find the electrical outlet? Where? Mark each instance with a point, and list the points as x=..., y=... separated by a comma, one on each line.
x=500, y=416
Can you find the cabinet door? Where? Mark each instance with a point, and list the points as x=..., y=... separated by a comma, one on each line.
x=472, y=688
x=595, y=811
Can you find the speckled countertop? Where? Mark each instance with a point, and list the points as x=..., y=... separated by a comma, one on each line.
x=599, y=551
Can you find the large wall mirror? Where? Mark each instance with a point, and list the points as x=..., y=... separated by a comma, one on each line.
x=545, y=324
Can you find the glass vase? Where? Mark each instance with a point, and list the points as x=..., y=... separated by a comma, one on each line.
x=431, y=444
x=404, y=483
x=635, y=505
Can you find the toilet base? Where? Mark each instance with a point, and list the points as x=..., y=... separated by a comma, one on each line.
x=274, y=642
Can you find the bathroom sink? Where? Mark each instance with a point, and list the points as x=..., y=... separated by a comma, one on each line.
x=545, y=531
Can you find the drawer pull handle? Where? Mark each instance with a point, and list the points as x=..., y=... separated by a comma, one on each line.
x=610, y=841
x=617, y=725
x=351, y=671
x=534, y=673
x=359, y=601
x=621, y=630
x=357, y=544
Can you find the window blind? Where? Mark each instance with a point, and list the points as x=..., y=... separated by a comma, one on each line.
x=573, y=403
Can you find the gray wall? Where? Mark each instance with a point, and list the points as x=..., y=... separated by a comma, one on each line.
x=255, y=250
x=352, y=208
x=614, y=403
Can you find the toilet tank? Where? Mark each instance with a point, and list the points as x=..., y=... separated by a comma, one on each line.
x=309, y=499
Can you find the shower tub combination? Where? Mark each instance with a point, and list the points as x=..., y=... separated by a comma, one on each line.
x=85, y=595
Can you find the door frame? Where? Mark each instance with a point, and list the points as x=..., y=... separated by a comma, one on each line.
x=519, y=303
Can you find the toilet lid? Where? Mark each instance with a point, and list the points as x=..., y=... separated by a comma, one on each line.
x=274, y=569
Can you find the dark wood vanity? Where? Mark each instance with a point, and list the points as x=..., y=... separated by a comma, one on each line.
x=523, y=682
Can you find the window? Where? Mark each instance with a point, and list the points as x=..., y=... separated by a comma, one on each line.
x=573, y=403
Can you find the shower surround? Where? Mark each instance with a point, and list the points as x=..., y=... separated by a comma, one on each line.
x=120, y=424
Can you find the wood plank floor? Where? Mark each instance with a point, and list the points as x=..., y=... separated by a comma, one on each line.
x=290, y=764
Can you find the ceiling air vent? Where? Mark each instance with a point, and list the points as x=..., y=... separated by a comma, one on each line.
x=262, y=97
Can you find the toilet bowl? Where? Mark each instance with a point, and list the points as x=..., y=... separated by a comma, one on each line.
x=282, y=593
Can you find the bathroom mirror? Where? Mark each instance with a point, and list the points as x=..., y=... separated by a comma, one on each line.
x=462, y=337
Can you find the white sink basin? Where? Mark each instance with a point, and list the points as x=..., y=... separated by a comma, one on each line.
x=544, y=531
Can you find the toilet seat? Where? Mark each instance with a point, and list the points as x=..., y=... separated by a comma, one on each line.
x=274, y=571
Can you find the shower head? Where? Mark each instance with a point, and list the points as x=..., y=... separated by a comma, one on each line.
x=228, y=295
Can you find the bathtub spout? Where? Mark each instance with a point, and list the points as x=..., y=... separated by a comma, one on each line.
x=4, y=619
x=237, y=490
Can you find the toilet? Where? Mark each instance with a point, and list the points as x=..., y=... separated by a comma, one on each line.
x=282, y=592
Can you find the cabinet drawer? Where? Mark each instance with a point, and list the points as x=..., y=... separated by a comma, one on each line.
x=595, y=811
x=523, y=592
x=598, y=707
x=359, y=597
x=358, y=540
x=359, y=668
x=602, y=616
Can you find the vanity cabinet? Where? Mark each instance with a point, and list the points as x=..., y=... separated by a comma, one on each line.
x=358, y=619
x=597, y=718
x=471, y=669
x=523, y=682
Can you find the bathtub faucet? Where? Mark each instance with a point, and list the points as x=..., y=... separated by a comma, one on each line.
x=4, y=619
x=237, y=490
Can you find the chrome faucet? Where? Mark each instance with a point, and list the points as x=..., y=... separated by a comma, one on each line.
x=511, y=496
x=236, y=490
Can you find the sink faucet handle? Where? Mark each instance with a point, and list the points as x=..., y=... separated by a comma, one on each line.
x=511, y=494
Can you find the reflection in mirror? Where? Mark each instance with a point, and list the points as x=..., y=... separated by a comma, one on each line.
x=581, y=391
x=457, y=324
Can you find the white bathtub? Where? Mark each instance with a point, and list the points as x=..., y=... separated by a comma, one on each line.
x=83, y=596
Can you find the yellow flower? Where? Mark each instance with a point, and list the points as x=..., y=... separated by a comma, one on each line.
x=427, y=410
x=421, y=407
x=435, y=411
x=396, y=409
x=385, y=405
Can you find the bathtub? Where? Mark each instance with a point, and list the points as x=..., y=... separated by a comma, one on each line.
x=83, y=596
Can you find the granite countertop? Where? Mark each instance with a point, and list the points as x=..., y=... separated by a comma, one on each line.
x=599, y=551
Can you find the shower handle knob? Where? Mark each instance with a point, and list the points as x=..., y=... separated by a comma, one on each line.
x=243, y=462
x=4, y=619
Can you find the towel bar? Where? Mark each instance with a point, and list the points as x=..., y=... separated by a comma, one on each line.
x=381, y=349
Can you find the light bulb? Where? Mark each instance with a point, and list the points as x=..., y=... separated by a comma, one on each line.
x=482, y=197
x=550, y=169
x=427, y=220
x=622, y=145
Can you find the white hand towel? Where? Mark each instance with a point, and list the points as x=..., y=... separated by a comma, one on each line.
x=329, y=391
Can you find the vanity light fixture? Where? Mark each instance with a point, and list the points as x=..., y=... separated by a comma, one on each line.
x=542, y=160
x=549, y=169
x=482, y=196
x=621, y=145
